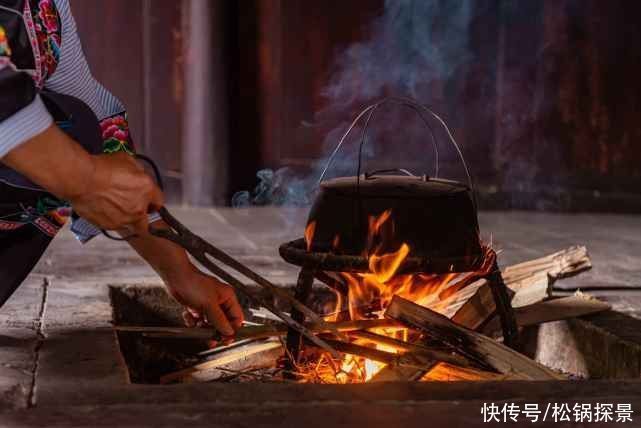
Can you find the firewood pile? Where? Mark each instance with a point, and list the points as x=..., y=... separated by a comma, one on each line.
x=456, y=337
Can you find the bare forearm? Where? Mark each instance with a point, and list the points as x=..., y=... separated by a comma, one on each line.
x=54, y=161
x=166, y=258
x=111, y=191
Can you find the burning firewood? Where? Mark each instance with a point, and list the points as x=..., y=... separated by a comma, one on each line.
x=473, y=306
x=467, y=342
x=448, y=372
x=468, y=302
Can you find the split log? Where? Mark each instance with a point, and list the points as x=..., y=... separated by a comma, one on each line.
x=477, y=309
x=447, y=372
x=469, y=343
x=473, y=306
x=562, y=264
x=562, y=308
x=531, y=282
x=257, y=354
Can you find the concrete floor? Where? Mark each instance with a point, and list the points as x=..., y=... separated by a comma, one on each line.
x=60, y=364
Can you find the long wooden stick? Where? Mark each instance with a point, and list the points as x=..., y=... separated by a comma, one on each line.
x=473, y=345
x=255, y=332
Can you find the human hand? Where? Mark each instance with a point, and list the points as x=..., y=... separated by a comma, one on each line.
x=207, y=301
x=118, y=194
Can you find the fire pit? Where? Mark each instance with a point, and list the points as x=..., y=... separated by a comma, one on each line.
x=416, y=293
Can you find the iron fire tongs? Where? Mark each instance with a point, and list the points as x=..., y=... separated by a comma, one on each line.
x=203, y=251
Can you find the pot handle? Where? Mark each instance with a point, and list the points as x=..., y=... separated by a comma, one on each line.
x=420, y=110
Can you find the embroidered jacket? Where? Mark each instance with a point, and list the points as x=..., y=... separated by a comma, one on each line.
x=40, y=49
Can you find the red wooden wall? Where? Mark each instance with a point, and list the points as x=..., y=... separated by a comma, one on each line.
x=549, y=104
x=134, y=47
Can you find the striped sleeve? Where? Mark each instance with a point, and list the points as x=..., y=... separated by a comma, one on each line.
x=22, y=113
x=73, y=76
x=23, y=125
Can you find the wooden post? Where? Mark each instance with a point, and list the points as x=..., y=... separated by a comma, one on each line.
x=206, y=134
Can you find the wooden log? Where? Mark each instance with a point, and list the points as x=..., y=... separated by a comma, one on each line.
x=447, y=372
x=257, y=354
x=577, y=305
x=477, y=309
x=473, y=345
x=473, y=306
x=531, y=282
x=449, y=306
x=562, y=264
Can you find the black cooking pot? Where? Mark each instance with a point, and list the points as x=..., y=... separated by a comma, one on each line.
x=437, y=218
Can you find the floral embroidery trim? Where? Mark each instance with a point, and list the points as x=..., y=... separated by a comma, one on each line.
x=45, y=33
x=115, y=135
x=5, y=50
x=33, y=38
x=47, y=25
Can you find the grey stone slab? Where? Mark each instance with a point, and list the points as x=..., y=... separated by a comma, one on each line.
x=16, y=367
x=80, y=359
x=98, y=259
x=284, y=393
x=605, y=345
x=374, y=414
x=23, y=307
x=77, y=304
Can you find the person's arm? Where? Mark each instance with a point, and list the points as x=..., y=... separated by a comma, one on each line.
x=110, y=191
x=205, y=298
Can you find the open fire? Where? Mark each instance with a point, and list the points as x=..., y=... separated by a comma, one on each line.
x=369, y=294
x=417, y=294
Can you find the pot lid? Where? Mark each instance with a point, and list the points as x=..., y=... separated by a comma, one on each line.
x=394, y=186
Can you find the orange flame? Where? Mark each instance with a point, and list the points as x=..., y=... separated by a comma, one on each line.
x=309, y=234
x=375, y=289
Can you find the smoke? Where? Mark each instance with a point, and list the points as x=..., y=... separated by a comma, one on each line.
x=412, y=44
x=412, y=49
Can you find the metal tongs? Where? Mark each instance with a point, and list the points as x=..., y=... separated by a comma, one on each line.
x=204, y=252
